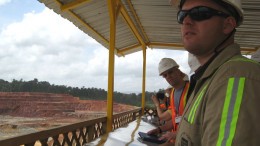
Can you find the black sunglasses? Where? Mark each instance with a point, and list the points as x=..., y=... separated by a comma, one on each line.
x=199, y=13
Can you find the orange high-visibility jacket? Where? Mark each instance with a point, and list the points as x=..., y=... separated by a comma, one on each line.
x=182, y=104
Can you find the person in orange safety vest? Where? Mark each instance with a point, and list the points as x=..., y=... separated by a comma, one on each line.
x=170, y=71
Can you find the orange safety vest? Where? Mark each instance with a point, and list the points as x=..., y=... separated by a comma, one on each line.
x=162, y=106
x=181, y=105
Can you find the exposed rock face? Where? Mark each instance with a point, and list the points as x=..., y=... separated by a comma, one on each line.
x=31, y=104
x=24, y=112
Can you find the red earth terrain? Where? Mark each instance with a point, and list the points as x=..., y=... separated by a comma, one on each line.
x=26, y=112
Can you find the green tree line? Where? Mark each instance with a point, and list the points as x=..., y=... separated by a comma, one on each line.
x=83, y=93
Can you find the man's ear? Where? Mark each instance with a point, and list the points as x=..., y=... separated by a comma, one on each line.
x=229, y=25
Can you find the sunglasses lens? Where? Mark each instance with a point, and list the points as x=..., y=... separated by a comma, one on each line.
x=181, y=15
x=199, y=14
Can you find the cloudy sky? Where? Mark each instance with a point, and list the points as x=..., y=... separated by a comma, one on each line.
x=37, y=43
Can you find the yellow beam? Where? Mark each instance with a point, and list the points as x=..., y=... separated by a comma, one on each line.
x=144, y=77
x=175, y=45
x=150, y=45
x=90, y=28
x=137, y=20
x=122, y=51
x=117, y=10
x=111, y=64
x=73, y=4
x=84, y=23
x=249, y=49
x=131, y=24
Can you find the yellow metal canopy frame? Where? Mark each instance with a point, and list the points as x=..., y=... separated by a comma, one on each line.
x=128, y=26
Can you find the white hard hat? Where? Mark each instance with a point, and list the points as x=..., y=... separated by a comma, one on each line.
x=236, y=4
x=256, y=56
x=169, y=87
x=193, y=62
x=165, y=64
x=232, y=6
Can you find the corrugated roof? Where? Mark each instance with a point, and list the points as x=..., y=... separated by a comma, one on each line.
x=154, y=20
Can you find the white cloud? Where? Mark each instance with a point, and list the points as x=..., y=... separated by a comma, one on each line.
x=129, y=69
x=3, y=2
x=49, y=48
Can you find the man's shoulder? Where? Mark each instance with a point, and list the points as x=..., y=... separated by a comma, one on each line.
x=240, y=63
x=240, y=66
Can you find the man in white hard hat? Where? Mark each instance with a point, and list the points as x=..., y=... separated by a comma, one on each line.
x=170, y=71
x=223, y=106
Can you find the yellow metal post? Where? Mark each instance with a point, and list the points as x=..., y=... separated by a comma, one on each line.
x=144, y=76
x=111, y=64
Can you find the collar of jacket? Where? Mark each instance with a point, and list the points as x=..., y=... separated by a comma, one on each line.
x=215, y=62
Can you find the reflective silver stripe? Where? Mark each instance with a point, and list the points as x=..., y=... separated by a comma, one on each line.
x=230, y=111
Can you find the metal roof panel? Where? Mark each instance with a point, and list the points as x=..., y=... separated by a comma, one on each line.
x=154, y=20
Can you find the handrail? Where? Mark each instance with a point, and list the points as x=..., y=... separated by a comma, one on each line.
x=74, y=134
x=124, y=118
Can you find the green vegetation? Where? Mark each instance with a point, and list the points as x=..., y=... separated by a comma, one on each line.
x=83, y=93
